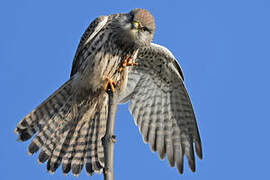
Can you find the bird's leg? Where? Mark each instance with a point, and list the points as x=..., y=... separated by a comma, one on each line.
x=109, y=84
x=127, y=62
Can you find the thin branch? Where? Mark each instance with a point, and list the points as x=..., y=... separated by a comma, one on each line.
x=109, y=138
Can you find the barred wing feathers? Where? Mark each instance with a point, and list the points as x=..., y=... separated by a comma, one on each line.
x=64, y=136
x=161, y=107
x=89, y=35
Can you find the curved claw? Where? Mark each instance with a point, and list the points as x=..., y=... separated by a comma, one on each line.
x=127, y=62
x=111, y=83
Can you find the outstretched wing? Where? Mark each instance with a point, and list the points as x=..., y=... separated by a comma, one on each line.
x=64, y=137
x=89, y=34
x=161, y=107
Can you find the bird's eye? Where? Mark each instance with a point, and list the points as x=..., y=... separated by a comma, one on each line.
x=144, y=29
x=136, y=25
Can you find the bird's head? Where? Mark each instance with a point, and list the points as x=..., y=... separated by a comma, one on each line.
x=136, y=28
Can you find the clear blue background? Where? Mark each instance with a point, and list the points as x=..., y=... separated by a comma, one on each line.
x=222, y=46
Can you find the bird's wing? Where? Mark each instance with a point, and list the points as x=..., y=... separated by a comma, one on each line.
x=89, y=34
x=161, y=107
x=67, y=133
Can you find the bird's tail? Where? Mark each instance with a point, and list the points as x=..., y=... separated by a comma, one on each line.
x=68, y=132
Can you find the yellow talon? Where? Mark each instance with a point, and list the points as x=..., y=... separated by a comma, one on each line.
x=127, y=62
x=111, y=83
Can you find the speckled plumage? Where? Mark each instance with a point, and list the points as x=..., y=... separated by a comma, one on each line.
x=69, y=125
x=161, y=107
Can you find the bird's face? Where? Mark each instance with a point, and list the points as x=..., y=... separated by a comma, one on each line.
x=136, y=29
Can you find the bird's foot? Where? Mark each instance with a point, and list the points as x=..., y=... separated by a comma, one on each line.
x=127, y=62
x=110, y=84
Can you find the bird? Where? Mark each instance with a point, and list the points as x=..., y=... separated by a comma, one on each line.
x=115, y=52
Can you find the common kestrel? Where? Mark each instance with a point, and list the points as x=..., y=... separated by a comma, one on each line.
x=69, y=125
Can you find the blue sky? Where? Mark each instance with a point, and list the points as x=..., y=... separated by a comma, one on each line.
x=222, y=46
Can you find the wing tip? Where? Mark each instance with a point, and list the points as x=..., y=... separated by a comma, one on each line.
x=42, y=157
x=66, y=168
x=180, y=167
x=76, y=174
x=191, y=164
x=89, y=173
x=32, y=148
x=15, y=131
x=171, y=161
x=76, y=169
x=89, y=169
x=38, y=161
x=198, y=149
x=29, y=153
x=23, y=134
x=51, y=171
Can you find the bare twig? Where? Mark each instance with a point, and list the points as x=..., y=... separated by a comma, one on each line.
x=109, y=138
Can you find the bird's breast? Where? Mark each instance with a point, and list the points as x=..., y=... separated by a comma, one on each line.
x=103, y=62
